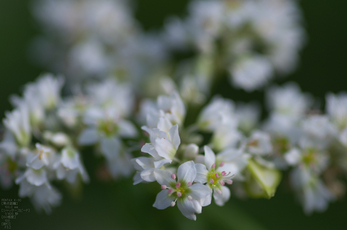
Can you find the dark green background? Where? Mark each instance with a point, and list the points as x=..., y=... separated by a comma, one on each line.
x=123, y=206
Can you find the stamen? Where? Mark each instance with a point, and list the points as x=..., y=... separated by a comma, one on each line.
x=222, y=182
x=217, y=176
x=190, y=198
x=211, y=181
x=170, y=190
x=189, y=184
x=163, y=186
x=178, y=185
x=221, y=164
x=224, y=173
x=213, y=166
x=173, y=176
x=229, y=181
x=219, y=191
x=173, y=203
x=179, y=194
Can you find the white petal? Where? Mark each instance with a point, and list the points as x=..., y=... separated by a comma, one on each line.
x=174, y=136
x=127, y=129
x=89, y=136
x=229, y=154
x=293, y=156
x=137, y=178
x=163, y=177
x=36, y=177
x=33, y=161
x=201, y=173
x=148, y=175
x=144, y=163
x=220, y=199
x=187, y=171
x=187, y=208
x=206, y=201
x=164, y=124
x=149, y=148
x=110, y=147
x=200, y=191
x=210, y=157
x=165, y=148
x=160, y=163
x=162, y=200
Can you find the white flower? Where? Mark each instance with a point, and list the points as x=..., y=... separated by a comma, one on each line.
x=69, y=166
x=216, y=176
x=41, y=156
x=247, y=115
x=288, y=100
x=105, y=128
x=112, y=96
x=173, y=108
x=259, y=143
x=311, y=191
x=46, y=90
x=35, y=177
x=18, y=123
x=164, y=144
x=43, y=196
x=226, y=136
x=317, y=132
x=337, y=109
x=187, y=195
x=218, y=111
x=251, y=73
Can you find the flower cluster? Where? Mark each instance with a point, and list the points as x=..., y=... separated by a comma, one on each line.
x=195, y=145
x=250, y=39
x=44, y=134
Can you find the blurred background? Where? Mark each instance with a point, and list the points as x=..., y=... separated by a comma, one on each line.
x=109, y=205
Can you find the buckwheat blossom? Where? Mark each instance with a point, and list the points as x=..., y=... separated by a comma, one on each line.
x=216, y=174
x=182, y=190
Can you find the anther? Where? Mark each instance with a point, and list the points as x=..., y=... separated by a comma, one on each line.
x=173, y=176
x=224, y=173
x=211, y=181
x=173, y=203
x=163, y=186
x=229, y=181
x=178, y=185
x=189, y=184
x=179, y=194
x=190, y=198
x=217, y=176
x=221, y=164
x=213, y=166
x=219, y=192
x=222, y=182
x=170, y=190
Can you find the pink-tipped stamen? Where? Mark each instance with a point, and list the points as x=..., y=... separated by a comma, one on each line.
x=219, y=192
x=229, y=182
x=217, y=176
x=213, y=166
x=178, y=185
x=173, y=203
x=163, y=186
x=224, y=173
x=211, y=181
x=173, y=176
x=221, y=164
x=170, y=190
x=222, y=182
x=189, y=184
x=179, y=194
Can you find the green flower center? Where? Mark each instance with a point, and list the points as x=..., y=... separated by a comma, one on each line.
x=108, y=127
